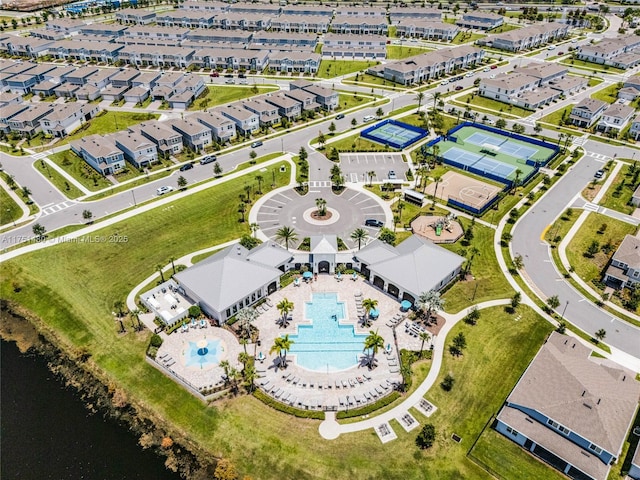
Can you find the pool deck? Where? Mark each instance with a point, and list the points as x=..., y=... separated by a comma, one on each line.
x=343, y=389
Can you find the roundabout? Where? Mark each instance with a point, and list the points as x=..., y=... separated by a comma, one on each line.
x=344, y=213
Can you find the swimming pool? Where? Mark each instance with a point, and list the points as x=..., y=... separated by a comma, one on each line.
x=204, y=353
x=325, y=345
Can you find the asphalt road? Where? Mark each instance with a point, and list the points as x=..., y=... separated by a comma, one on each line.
x=542, y=272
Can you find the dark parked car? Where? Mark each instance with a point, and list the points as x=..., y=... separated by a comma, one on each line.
x=186, y=166
x=242, y=75
x=340, y=116
x=215, y=74
x=372, y=222
x=256, y=144
x=208, y=159
x=459, y=87
x=599, y=174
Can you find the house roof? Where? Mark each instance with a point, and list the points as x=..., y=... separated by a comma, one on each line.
x=596, y=400
x=590, y=105
x=619, y=110
x=227, y=277
x=629, y=251
x=269, y=254
x=326, y=244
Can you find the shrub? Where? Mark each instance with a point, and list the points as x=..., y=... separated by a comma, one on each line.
x=156, y=341
x=273, y=403
x=194, y=311
x=447, y=382
x=357, y=412
x=426, y=436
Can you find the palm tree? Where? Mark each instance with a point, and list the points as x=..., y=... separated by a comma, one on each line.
x=159, y=268
x=430, y=302
x=243, y=357
x=474, y=252
x=359, y=235
x=286, y=235
x=259, y=179
x=436, y=97
x=399, y=209
x=421, y=174
x=242, y=208
x=436, y=179
x=321, y=205
x=135, y=318
x=226, y=366
x=284, y=307
x=250, y=377
x=280, y=345
x=424, y=336
x=373, y=342
x=234, y=378
x=516, y=180
x=246, y=317
x=371, y=174
x=420, y=99
x=368, y=304
x=254, y=228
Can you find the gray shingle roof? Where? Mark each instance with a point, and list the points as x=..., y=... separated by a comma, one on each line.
x=629, y=252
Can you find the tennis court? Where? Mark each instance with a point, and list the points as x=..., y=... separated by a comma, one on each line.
x=480, y=163
x=396, y=134
x=506, y=146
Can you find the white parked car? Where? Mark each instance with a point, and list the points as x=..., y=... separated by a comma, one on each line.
x=444, y=82
x=163, y=190
x=368, y=118
x=551, y=47
x=493, y=75
x=469, y=75
x=486, y=69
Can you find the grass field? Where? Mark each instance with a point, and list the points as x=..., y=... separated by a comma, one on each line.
x=607, y=94
x=463, y=37
x=336, y=68
x=80, y=170
x=350, y=100
x=590, y=66
x=109, y=122
x=589, y=269
x=395, y=52
x=620, y=199
x=505, y=27
x=58, y=180
x=555, y=118
x=494, y=105
x=221, y=94
x=10, y=211
x=357, y=144
x=372, y=79
x=488, y=283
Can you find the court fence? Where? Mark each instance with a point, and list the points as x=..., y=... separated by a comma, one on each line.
x=366, y=133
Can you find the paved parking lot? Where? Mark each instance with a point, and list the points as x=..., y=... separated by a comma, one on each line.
x=356, y=166
x=351, y=209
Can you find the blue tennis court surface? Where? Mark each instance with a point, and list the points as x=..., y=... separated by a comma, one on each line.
x=507, y=147
x=478, y=162
x=396, y=134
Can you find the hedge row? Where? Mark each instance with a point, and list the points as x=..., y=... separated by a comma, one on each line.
x=273, y=403
x=383, y=402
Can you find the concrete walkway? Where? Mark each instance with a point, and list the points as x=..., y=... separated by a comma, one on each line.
x=14, y=196
x=330, y=429
x=65, y=175
x=144, y=208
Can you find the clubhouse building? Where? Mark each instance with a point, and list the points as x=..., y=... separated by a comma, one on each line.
x=236, y=277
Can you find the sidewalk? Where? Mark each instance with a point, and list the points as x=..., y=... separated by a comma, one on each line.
x=14, y=196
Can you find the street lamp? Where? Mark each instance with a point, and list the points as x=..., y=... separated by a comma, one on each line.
x=564, y=310
x=134, y=198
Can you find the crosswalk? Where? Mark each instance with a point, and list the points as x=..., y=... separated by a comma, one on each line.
x=591, y=207
x=599, y=156
x=38, y=156
x=319, y=184
x=580, y=141
x=53, y=208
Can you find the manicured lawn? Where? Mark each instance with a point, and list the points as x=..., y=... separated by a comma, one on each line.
x=494, y=105
x=395, y=52
x=591, y=66
x=590, y=269
x=58, y=181
x=16, y=152
x=464, y=37
x=489, y=283
x=555, y=118
x=618, y=198
x=505, y=27
x=350, y=100
x=80, y=170
x=109, y=122
x=372, y=79
x=562, y=225
x=10, y=211
x=608, y=94
x=358, y=144
x=509, y=460
x=336, y=68
x=221, y=94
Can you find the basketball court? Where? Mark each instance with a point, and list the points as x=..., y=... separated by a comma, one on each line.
x=467, y=190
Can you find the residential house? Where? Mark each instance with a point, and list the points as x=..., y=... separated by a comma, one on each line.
x=635, y=197
x=100, y=153
x=615, y=118
x=135, y=16
x=136, y=94
x=246, y=122
x=30, y=47
x=634, y=131
x=244, y=21
x=66, y=25
x=222, y=128
x=264, y=9
x=124, y=78
x=212, y=6
x=27, y=122
x=328, y=99
x=80, y=76
x=308, y=10
x=357, y=25
x=101, y=78
x=307, y=99
x=624, y=268
x=369, y=11
x=634, y=469
x=618, y=52
x=230, y=58
x=167, y=141
x=113, y=93
x=287, y=106
x=65, y=118
x=85, y=92
x=187, y=18
x=195, y=135
x=354, y=46
x=628, y=94
x=137, y=148
x=267, y=112
x=146, y=80
x=586, y=112
x=7, y=112
x=7, y=98
x=572, y=410
x=159, y=33
x=400, y=15
x=478, y=20
x=526, y=37
x=295, y=62
x=281, y=38
x=167, y=56
x=69, y=90
x=234, y=38
x=103, y=29
x=429, y=29
x=45, y=34
x=300, y=23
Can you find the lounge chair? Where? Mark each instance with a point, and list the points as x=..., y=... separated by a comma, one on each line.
x=268, y=302
x=287, y=377
x=292, y=401
x=394, y=370
x=373, y=393
x=286, y=396
x=278, y=393
x=360, y=379
x=341, y=401
x=366, y=377
x=163, y=355
x=367, y=396
x=171, y=363
x=344, y=383
x=338, y=385
x=352, y=382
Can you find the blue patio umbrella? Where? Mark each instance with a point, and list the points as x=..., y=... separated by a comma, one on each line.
x=307, y=274
x=406, y=305
x=374, y=313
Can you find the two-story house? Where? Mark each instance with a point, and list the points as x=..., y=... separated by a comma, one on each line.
x=400, y=15
x=222, y=129
x=357, y=25
x=100, y=153
x=67, y=117
x=267, y=112
x=9, y=111
x=246, y=121
x=27, y=122
x=166, y=139
x=195, y=135
x=480, y=20
x=586, y=112
x=137, y=148
x=624, y=268
x=634, y=131
x=295, y=62
x=135, y=16
x=429, y=29
x=325, y=97
x=287, y=107
x=615, y=118
x=307, y=99
x=572, y=410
